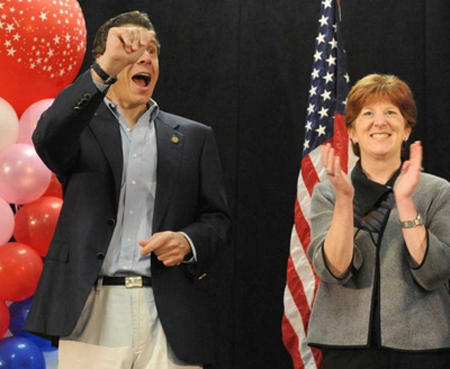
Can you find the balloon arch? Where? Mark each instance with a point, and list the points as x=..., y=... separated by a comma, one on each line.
x=42, y=49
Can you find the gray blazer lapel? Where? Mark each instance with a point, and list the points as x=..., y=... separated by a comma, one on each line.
x=170, y=149
x=107, y=131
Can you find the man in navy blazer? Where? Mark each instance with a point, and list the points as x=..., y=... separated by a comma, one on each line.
x=128, y=168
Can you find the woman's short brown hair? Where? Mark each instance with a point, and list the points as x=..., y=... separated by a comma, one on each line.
x=375, y=87
x=134, y=17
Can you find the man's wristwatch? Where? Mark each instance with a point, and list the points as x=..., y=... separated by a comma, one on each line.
x=417, y=221
x=107, y=79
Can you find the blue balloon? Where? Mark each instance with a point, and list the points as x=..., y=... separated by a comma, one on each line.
x=18, y=312
x=20, y=353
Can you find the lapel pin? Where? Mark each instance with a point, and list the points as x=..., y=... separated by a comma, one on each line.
x=175, y=139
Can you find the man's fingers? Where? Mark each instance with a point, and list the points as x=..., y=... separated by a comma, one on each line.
x=171, y=258
x=126, y=38
x=133, y=38
x=156, y=243
x=147, y=37
x=150, y=244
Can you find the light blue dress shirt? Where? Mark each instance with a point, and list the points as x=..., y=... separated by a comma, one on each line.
x=137, y=194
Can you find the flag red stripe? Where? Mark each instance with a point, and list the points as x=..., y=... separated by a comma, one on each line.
x=340, y=140
x=291, y=342
x=317, y=353
x=295, y=286
x=302, y=226
x=309, y=174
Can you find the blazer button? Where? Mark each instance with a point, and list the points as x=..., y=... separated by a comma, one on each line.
x=100, y=256
x=111, y=222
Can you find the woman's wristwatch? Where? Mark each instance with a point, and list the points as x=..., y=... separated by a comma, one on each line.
x=417, y=221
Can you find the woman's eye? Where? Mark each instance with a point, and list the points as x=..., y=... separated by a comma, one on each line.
x=367, y=113
x=391, y=112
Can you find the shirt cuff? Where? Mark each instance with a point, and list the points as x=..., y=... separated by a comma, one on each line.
x=193, y=259
x=102, y=87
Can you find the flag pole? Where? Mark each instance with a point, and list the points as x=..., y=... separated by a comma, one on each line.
x=339, y=9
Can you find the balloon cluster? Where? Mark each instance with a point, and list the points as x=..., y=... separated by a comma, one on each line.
x=43, y=46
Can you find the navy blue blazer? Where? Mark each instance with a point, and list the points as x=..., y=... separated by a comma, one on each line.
x=79, y=139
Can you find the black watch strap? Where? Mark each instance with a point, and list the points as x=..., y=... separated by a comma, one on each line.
x=109, y=80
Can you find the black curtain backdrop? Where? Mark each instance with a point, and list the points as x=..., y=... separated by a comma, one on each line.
x=243, y=67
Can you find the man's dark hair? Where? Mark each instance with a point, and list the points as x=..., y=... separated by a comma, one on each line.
x=134, y=17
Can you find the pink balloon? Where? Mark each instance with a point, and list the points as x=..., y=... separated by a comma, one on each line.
x=7, y=222
x=29, y=119
x=23, y=175
x=9, y=124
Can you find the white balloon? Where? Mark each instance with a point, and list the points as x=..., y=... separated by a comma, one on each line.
x=9, y=124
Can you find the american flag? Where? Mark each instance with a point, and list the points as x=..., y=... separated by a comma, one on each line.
x=324, y=123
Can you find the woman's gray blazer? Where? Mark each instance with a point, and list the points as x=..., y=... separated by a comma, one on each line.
x=414, y=302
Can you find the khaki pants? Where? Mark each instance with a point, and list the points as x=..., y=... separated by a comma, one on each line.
x=119, y=328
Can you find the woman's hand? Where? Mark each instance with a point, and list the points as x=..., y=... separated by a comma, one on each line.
x=404, y=187
x=338, y=178
x=338, y=245
x=409, y=178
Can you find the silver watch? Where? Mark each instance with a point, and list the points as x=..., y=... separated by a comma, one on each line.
x=418, y=221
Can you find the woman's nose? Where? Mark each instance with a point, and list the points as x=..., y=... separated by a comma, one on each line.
x=379, y=119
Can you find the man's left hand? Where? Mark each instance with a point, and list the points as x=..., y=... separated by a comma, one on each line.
x=169, y=247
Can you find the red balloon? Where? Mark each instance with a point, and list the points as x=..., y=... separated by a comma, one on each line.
x=20, y=269
x=42, y=49
x=36, y=222
x=4, y=319
x=54, y=189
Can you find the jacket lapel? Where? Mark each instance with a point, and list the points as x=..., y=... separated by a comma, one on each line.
x=170, y=148
x=107, y=131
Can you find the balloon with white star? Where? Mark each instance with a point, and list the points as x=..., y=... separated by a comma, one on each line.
x=42, y=46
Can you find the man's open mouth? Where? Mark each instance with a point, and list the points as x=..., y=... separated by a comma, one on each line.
x=142, y=79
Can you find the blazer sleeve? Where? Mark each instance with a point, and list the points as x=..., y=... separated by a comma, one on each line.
x=435, y=268
x=57, y=134
x=322, y=208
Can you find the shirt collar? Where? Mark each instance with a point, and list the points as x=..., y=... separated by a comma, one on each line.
x=152, y=109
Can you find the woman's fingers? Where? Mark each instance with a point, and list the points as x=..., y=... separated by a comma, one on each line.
x=324, y=154
x=328, y=158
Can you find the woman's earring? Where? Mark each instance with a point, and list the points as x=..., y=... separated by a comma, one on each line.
x=406, y=138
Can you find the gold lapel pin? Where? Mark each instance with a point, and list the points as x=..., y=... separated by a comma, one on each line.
x=175, y=139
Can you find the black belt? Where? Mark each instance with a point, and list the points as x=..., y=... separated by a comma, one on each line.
x=132, y=281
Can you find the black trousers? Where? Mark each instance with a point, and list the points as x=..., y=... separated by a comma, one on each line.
x=384, y=359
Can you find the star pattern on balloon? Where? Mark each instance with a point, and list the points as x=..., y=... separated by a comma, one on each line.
x=61, y=29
